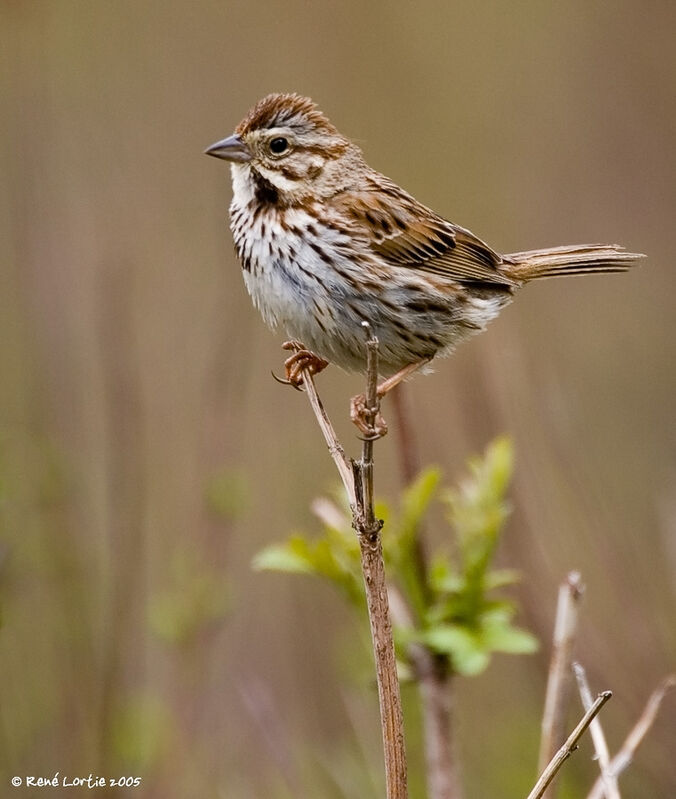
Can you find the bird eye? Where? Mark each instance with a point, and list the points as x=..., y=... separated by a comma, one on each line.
x=278, y=145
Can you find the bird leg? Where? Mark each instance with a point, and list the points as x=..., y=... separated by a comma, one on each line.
x=301, y=360
x=359, y=412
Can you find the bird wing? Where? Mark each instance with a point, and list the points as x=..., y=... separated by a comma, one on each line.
x=403, y=232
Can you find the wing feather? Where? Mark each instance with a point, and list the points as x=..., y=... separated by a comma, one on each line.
x=403, y=232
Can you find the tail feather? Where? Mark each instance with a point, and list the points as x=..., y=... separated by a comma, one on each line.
x=577, y=259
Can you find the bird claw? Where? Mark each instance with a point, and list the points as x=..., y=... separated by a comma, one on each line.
x=301, y=360
x=285, y=382
x=361, y=416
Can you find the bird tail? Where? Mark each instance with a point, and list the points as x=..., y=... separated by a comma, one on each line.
x=577, y=259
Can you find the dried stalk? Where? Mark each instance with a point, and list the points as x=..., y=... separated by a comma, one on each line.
x=610, y=789
x=435, y=686
x=558, y=682
x=568, y=748
x=626, y=754
x=335, y=449
x=357, y=478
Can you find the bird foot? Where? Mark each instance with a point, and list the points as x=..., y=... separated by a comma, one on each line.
x=369, y=421
x=301, y=360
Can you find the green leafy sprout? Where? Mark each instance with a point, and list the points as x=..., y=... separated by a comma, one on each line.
x=455, y=606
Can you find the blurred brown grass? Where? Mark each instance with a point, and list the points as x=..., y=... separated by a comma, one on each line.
x=146, y=454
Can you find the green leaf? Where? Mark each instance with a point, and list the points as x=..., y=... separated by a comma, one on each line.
x=442, y=578
x=416, y=500
x=441, y=575
x=453, y=612
x=499, y=635
x=401, y=537
x=282, y=558
x=471, y=662
x=465, y=648
x=447, y=638
x=335, y=557
x=513, y=640
x=477, y=511
x=499, y=464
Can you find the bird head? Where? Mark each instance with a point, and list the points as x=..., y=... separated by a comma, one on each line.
x=286, y=148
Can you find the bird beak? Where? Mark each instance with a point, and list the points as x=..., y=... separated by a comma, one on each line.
x=231, y=149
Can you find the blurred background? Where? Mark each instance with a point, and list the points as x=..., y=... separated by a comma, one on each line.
x=146, y=454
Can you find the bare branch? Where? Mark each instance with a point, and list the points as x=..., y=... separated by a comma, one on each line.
x=610, y=789
x=626, y=754
x=568, y=748
x=335, y=449
x=372, y=408
x=373, y=568
x=357, y=478
x=558, y=682
x=391, y=715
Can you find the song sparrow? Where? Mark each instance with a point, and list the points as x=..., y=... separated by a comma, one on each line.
x=326, y=242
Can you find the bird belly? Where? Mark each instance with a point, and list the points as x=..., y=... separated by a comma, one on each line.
x=320, y=289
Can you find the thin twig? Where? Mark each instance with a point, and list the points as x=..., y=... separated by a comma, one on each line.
x=391, y=715
x=335, y=449
x=436, y=692
x=373, y=568
x=610, y=789
x=357, y=478
x=568, y=748
x=372, y=408
x=626, y=754
x=558, y=681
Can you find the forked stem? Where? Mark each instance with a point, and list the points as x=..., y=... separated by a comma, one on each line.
x=357, y=477
x=559, y=679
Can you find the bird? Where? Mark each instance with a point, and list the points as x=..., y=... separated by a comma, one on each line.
x=326, y=244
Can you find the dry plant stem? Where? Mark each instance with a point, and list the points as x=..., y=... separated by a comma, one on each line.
x=443, y=774
x=558, y=681
x=408, y=452
x=626, y=754
x=358, y=481
x=364, y=469
x=335, y=449
x=610, y=789
x=391, y=715
x=568, y=748
x=373, y=568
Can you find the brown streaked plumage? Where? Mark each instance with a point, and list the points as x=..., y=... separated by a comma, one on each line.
x=326, y=242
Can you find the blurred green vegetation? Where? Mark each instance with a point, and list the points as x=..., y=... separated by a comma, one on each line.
x=146, y=454
x=455, y=612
